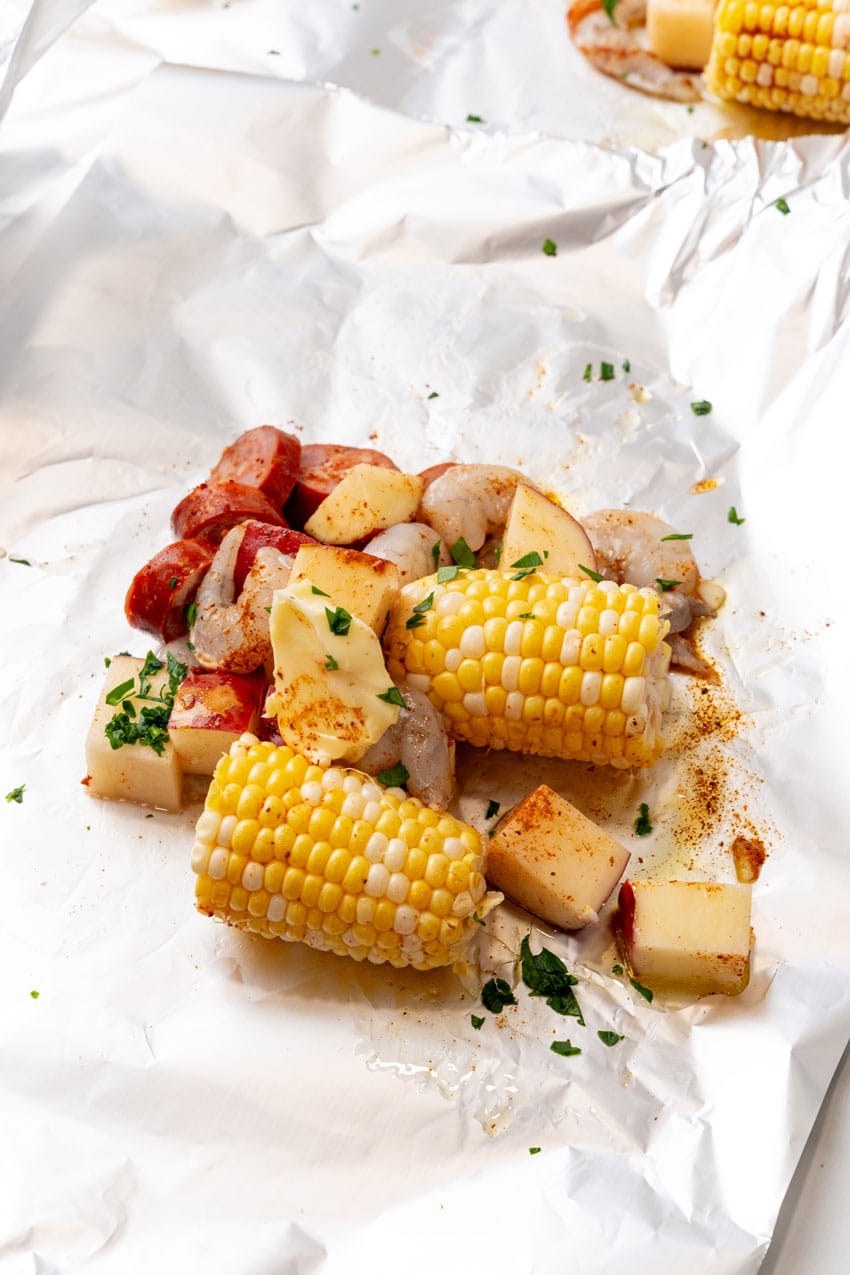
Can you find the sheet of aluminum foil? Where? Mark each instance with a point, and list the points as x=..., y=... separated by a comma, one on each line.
x=218, y=216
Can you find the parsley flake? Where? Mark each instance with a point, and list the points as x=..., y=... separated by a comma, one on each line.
x=330, y=663
x=666, y=585
x=616, y=969
x=532, y=559
x=606, y=371
x=609, y=1038
x=474, y=119
x=587, y=374
x=781, y=205
x=149, y=725
x=609, y=6
x=678, y=535
x=477, y=1022
x=594, y=575
x=172, y=583
x=643, y=827
x=627, y=366
x=35, y=995
x=521, y=575
x=396, y=777
x=414, y=622
x=119, y=692
x=732, y=517
x=274, y=53
x=22, y=562
x=534, y=1150
x=526, y=615
x=393, y=696
x=496, y=994
x=190, y=614
x=339, y=620
x=320, y=593
x=435, y=552
x=462, y=554
x=645, y=992
x=492, y=809
x=433, y=394
x=444, y=574
x=546, y=975
x=376, y=53
x=106, y=661
x=479, y=920
x=549, y=248
x=17, y=794
x=425, y=604
x=701, y=408
x=564, y=1047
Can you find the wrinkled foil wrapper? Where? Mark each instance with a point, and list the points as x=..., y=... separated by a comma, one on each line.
x=214, y=216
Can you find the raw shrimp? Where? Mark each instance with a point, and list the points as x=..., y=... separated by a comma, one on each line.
x=612, y=45
x=419, y=741
x=631, y=548
x=469, y=501
x=234, y=635
x=410, y=545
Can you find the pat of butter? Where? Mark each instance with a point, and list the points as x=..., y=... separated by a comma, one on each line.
x=326, y=685
x=681, y=31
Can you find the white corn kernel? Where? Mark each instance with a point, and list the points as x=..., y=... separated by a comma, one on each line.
x=377, y=881
x=277, y=907
x=397, y=887
x=591, y=688
x=208, y=825
x=406, y=920
x=311, y=793
x=252, y=877
x=472, y=643
x=453, y=848
x=225, y=831
x=395, y=854
x=634, y=693
x=218, y=865
x=375, y=847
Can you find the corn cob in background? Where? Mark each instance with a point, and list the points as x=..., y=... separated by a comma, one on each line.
x=329, y=858
x=783, y=57
x=530, y=662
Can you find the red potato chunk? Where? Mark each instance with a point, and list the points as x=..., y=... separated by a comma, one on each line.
x=211, y=710
x=323, y=465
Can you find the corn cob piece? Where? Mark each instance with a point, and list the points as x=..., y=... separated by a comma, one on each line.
x=783, y=57
x=538, y=664
x=329, y=858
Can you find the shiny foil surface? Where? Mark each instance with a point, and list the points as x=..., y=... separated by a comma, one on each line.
x=214, y=216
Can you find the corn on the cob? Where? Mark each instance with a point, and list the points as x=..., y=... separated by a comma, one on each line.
x=327, y=857
x=537, y=664
x=783, y=57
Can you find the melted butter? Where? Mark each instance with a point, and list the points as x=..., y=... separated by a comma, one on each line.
x=326, y=712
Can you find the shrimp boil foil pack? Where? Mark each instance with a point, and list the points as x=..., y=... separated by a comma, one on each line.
x=373, y=225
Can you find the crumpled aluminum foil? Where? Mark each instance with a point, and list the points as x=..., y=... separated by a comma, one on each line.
x=194, y=239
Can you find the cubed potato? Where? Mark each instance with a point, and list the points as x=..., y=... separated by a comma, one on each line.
x=367, y=499
x=211, y=710
x=554, y=861
x=692, y=935
x=537, y=524
x=680, y=32
x=365, y=586
x=133, y=772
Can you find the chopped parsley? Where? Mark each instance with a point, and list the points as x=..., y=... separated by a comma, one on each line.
x=106, y=661
x=433, y=394
x=274, y=53
x=477, y=919
x=606, y=371
x=435, y=552
x=546, y=975
x=35, y=995
x=396, y=777
x=393, y=696
x=627, y=366
x=149, y=725
x=425, y=604
x=781, y=204
x=594, y=575
x=474, y=119
x=678, y=535
x=732, y=517
x=339, y=620
x=609, y=6
x=534, y=1150
x=643, y=827
x=521, y=575
x=526, y=615
x=532, y=559
x=609, y=1038
x=376, y=53
x=17, y=794
x=320, y=593
x=666, y=585
x=616, y=969
x=477, y=1022
x=587, y=374
x=492, y=809
x=172, y=583
x=496, y=994
x=549, y=248
x=22, y=562
x=331, y=664
x=462, y=554
x=645, y=992
x=701, y=408
x=190, y=614
x=564, y=1047
x=444, y=574
x=414, y=622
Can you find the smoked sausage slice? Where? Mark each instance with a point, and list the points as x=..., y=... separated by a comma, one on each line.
x=209, y=511
x=265, y=458
x=162, y=589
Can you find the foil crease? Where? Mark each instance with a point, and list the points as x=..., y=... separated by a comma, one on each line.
x=213, y=217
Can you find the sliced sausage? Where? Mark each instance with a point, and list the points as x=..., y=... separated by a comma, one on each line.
x=265, y=458
x=258, y=534
x=435, y=471
x=164, y=587
x=209, y=511
x=322, y=467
